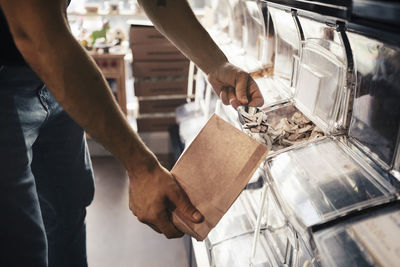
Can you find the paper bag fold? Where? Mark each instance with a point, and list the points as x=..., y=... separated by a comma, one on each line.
x=213, y=171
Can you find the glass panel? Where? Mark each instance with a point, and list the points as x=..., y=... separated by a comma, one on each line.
x=336, y=256
x=237, y=22
x=275, y=229
x=376, y=110
x=270, y=91
x=321, y=182
x=235, y=252
x=367, y=240
x=235, y=222
x=316, y=30
x=223, y=14
x=287, y=44
x=255, y=29
x=319, y=83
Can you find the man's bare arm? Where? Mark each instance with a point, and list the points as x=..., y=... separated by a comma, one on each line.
x=41, y=33
x=176, y=20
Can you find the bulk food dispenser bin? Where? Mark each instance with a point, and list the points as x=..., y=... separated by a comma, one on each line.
x=285, y=92
x=323, y=190
x=315, y=82
x=275, y=82
x=344, y=78
x=258, y=52
x=325, y=62
x=321, y=94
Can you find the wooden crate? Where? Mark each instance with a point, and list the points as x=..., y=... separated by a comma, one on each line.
x=160, y=69
x=160, y=105
x=156, y=52
x=155, y=124
x=139, y=34
x=162, y=87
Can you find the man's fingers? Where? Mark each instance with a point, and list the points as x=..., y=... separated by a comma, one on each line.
x=256, y=98
x=241, y=87
x=155, y=228
x=224, y=96
x=167, y=227
x=184, y=206
x=235, y=103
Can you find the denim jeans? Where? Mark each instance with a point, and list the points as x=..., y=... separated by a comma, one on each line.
x=46, y=178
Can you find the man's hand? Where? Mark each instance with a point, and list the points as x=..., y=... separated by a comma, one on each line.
x=235, y=86
x=154, y=194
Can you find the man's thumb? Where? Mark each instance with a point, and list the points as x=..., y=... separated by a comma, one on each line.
x=184, y=207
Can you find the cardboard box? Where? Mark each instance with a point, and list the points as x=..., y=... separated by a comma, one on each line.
x=156, y=52
x=154, y=124
x=166, y=160
x=160, y=105
x=162, y=87
x=160, y=69
x=157, y=142
x=139, y=34
x=213, y=170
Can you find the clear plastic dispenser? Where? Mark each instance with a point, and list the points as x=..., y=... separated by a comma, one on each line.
x=231, y=37
x=324, y=82
x=375, y=122
x=271, y=44
x=237, y=252
x=287, y=46
x=320, y=84
x=333, y=200
x=273, y=78
x=227, y=31
x=237, y=221
x=255, y=29
x=222, y=12
x=254, y=41
x=325, y=180
x=363, y=241
x=237, y=30
x=275, y=229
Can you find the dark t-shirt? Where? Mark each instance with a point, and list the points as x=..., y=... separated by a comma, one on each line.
x=9, y=54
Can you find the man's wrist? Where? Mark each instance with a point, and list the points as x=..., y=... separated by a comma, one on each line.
x=144, y=162
x=216, y=63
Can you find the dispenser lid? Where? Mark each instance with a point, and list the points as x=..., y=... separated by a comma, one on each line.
x=323, y=181
x=370, y=239
x=320, y=82
x=375, y=122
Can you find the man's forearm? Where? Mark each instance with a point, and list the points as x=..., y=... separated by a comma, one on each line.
x=176, y=20
x=78, y=85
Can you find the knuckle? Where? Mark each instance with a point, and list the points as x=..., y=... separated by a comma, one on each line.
x=168, y=236
x=141, y=218
x=242, y=74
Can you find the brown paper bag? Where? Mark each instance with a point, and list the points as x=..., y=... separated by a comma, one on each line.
x=213, y=171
